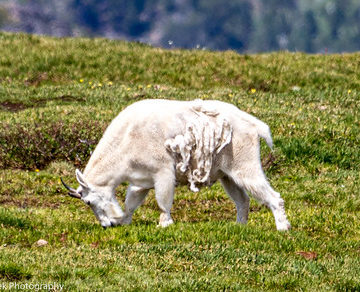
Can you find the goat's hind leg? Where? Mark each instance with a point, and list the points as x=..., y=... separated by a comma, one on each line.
x=264, y=193
x=260, y=188
x=239, y=196
x=276, y=204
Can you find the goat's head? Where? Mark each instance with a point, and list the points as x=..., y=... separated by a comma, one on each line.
x=101, y=200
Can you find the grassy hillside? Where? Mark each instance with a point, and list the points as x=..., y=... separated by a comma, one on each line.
x=58, y=95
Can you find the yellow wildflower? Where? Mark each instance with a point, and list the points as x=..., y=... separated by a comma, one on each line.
x=253, y=90
x=81, y=80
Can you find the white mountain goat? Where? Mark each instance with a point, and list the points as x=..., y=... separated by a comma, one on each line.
x=161, y=143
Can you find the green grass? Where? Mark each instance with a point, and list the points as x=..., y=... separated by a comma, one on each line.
x=58, y=95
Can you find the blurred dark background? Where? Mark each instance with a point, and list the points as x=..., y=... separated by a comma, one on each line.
x=247, y=26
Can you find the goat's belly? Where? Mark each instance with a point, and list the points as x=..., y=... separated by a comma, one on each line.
x=141, y=179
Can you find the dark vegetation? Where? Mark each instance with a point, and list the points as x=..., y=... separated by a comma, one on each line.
x=34, y=146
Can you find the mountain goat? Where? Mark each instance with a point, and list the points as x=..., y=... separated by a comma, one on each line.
x=162, y=143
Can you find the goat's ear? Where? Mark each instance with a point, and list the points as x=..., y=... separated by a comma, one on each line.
x=81, y=180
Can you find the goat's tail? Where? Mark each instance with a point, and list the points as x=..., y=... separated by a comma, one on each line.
x=264, y=132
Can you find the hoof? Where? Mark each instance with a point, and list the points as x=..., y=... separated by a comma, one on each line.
x=166, y=223
x=284, y=226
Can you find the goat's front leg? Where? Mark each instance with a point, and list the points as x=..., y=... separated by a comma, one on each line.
x=164, y=194
x=134, y=198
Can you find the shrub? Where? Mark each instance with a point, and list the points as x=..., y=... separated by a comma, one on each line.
x=36, y=145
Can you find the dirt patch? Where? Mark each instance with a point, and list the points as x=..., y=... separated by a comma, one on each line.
x=63, y=98
x=27, y=202
x=13, y=106
x=186, y=210
x=270, y=161
x=37, y=79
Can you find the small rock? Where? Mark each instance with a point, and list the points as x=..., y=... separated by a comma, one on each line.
x=309, y=255
x=41, y=242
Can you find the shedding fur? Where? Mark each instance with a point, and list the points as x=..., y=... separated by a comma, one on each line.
x=205, y=136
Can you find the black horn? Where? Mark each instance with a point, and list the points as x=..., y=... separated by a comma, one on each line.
x=72, y=192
